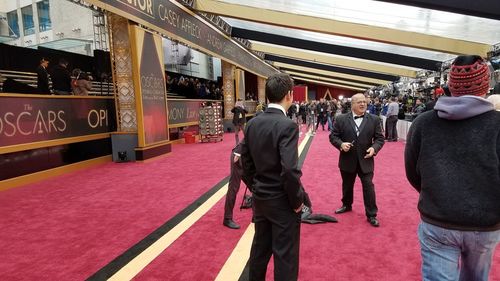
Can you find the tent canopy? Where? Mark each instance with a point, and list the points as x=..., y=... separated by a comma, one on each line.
x=362, y=42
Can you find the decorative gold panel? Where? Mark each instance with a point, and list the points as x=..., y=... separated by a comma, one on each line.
x=261, y=89
x=228, y=71
x=121, y=63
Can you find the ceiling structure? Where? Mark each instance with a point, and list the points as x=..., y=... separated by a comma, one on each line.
x=363, y=43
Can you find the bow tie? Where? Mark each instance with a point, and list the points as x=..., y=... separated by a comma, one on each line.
x=361, y=116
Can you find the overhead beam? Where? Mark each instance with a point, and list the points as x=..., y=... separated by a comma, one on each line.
x=328, y=59
x=481, y=8
x=328, y=76
x=330, y=73
x=336, y=49
x=343, y=28
x=332, y=68
x=329, y=80
x=328, y=84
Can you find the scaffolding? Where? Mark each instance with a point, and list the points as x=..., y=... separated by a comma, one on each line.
x=174, y=54
x=100, y=31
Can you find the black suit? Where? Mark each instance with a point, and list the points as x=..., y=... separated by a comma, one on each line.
x=270, y=159
x=42, y=80
x=234, y=183
x=61, y=80
x=353, y=163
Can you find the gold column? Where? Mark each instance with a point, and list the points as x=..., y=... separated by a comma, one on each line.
x=228, y=73
x=121, y=64
x=240, y=84
x=261, y=89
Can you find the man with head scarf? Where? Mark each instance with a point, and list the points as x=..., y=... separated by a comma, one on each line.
x=452, y=159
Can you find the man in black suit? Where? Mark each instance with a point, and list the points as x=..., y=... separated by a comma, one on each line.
x=270, y=166
x=233, y=187
x=239, y=119
x=358, y=136
x=61, y=78
x=43, y=77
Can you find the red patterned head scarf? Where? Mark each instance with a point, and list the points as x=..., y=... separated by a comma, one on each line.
x=469, y=75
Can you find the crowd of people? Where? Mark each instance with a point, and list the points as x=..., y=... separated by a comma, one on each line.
x=78, y=82
x=452, y=159
x=64, y=81
x=194, y=88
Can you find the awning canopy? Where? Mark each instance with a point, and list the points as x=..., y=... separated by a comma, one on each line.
x=4, y=38
x=349, y=42
x=64, y=44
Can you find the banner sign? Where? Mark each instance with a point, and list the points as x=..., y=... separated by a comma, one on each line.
x=250, y=106
x=172, y=19
x=29, y=119
x=151, y=88
x=183, y=111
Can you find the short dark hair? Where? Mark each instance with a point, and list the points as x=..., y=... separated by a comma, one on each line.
x=63, y=61
x=277, y=86
x=466, y=60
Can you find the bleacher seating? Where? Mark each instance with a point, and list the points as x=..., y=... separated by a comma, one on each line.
x=30, y=79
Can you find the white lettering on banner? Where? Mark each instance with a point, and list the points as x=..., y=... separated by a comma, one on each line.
x=10, y=124
x=45, y=122
x=190, y=114
x=24, y=133
x=96, y=118
x=40, y=121
x=144, y=5
x=169, y=16
x=191, y=28
x=152, y=88
x=61, y=119
x=176, y=113
x=52, y=120
x=214, y=42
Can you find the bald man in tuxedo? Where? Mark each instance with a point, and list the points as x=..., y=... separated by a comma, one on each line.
x=358, y=136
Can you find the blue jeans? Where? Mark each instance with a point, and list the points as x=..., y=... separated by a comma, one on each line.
x=456, y=255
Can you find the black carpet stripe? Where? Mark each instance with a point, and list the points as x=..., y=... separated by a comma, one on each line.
x=115, y=265
x=245, y=274
x=303, y=155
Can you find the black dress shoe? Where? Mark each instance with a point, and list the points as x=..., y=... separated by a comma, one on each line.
x=343, y=209
x=231, y=224
x=373, y=221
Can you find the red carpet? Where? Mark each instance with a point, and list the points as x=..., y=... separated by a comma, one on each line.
x=69, y=227
x=200, y=252
x=352, y=249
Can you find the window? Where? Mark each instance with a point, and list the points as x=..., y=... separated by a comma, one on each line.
x=44, y=15
x=13, y=24
x=29, y=25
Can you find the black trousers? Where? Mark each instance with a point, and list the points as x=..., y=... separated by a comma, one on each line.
x=369, y=200
x=322, y=120
x=233, y=187
x=237, y=129
x=277, y=233
x=392, y=132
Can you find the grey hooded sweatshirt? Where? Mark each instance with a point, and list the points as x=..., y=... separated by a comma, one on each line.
x=452, y=158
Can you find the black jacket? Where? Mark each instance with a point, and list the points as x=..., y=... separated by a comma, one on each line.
x=455, y=166
x=61, y=79
x=270, y=158
x=42, y=80
x=239, y=117
x=370, y=135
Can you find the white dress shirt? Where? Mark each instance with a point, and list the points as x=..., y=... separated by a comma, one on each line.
x=277, y=106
